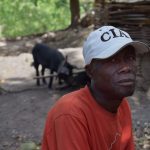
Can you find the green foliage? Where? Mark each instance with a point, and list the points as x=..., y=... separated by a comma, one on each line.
x=25, y=17
x=86, y=5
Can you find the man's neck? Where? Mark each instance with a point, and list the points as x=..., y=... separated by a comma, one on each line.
x=110, y=103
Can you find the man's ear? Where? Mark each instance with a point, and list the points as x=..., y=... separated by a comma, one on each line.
x=89, y=70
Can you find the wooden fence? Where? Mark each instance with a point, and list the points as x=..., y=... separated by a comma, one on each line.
x=131, y=17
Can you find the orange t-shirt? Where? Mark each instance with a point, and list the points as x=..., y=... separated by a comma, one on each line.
x=78, y=122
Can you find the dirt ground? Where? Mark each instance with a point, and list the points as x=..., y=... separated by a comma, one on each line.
x=24, y=106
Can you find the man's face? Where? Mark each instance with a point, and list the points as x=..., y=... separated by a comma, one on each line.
x=116, y=75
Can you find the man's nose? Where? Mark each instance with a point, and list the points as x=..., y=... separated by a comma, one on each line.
x=125, y=67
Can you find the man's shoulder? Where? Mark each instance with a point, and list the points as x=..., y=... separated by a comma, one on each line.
x=125, y=108
x=69, y=104
x=125, y=104
x=72, y=98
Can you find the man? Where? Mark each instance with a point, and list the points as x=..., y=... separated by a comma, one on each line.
x=98, y=116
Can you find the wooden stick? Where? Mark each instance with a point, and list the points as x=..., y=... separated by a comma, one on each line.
x=55, y=75
x=47, y=76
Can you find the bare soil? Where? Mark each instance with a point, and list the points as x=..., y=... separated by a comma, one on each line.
x=24, y=106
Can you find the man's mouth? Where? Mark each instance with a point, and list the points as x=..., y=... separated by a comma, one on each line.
x=126, y=82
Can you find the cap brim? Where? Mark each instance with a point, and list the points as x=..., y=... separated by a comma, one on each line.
x=140, y=48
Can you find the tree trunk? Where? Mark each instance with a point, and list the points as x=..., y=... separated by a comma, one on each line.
x=101, y=13
x=75, y=13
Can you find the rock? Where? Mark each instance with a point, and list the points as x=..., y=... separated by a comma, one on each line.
x=28, y=146
x=146, y=146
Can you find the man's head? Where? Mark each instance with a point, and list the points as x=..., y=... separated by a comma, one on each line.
x=110, y=56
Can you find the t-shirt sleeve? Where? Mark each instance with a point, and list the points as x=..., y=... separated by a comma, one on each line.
x=68, y=133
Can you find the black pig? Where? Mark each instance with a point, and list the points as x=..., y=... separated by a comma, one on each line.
x=52, y=59
x=81, y=79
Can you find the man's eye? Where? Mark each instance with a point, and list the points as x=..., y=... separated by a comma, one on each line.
x=113, y=60
x=132, y=58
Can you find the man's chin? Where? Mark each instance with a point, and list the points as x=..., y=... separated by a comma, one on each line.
x=125, y=92
x=128, y=93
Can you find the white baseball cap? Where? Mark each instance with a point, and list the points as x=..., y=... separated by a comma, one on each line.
x=107, y=41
